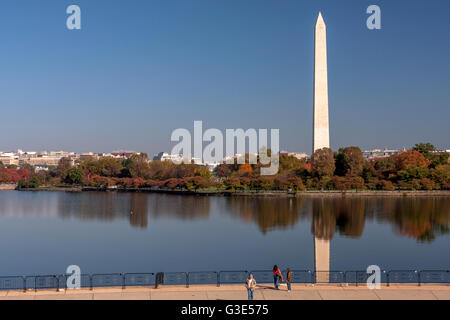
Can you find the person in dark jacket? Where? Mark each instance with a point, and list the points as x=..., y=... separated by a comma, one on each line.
x=288, y=279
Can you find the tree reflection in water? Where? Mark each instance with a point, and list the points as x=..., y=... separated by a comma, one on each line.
x=420, y=218
x=268, y=213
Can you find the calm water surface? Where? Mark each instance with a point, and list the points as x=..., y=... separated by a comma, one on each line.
x=44, y=232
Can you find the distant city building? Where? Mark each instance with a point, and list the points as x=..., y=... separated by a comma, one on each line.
x=41, y=161
x=178, y=158
x=123, y=154
x=8, y=160
x=164, y=156
x=298, y=155
x=212, y=165
x=89, y=155
x=378, y=153
x=41, y=168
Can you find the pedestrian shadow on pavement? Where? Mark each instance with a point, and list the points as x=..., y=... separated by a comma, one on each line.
x=258, y=286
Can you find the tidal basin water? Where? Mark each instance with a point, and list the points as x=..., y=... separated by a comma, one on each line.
x=44, y=232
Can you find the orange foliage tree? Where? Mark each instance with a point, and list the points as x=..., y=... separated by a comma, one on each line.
x=410, y=158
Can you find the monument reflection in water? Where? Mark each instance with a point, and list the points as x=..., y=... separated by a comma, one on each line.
x=420, y=218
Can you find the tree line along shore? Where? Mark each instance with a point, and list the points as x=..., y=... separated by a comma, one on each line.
x=422, y=168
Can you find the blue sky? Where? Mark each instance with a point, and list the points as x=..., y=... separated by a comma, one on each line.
x=140, y=69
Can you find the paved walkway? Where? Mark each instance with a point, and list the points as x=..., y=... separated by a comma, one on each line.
x=238, y=292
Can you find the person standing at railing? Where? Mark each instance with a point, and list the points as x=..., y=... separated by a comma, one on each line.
x=288, y=279
x=250, y=284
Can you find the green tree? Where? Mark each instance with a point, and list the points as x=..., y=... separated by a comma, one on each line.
x=138, y=166
x=429, y=152
x=110, y=167
x=263, y=183
x=411, y=173
x=64, y=164
x=74, y=175
x=31, y=183
x=424, y=148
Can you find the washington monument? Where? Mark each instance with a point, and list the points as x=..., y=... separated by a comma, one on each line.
x=321, y=133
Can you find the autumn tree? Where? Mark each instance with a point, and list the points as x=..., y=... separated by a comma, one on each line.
x=202, y=171
x=410, y=158
x=223, y=170
x=349, y=161
x=28, y=167
x=195, y=183
x=296, y=184
x=245, y=170
x=323, y=163
x=441, y=174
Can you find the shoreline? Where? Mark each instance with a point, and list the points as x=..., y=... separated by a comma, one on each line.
x=250, y=193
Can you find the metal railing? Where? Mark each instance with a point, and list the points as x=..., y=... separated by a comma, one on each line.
x=139, y=279
x=231, y=277
x=301, y=276
x=150, y=279
x=358, y=277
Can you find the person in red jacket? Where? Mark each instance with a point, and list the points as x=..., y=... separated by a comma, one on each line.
x=277, y=276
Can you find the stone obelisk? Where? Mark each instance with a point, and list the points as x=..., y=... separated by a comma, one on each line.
x=321, y=133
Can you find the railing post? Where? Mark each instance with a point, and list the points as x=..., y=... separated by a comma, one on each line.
x=187, y=280
x=24, y=284
x=218, y=278
x=418, y=277
x=159, y=279
x=387, y=278
x=57, y=283
x=123, y=281
x=91, y=282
